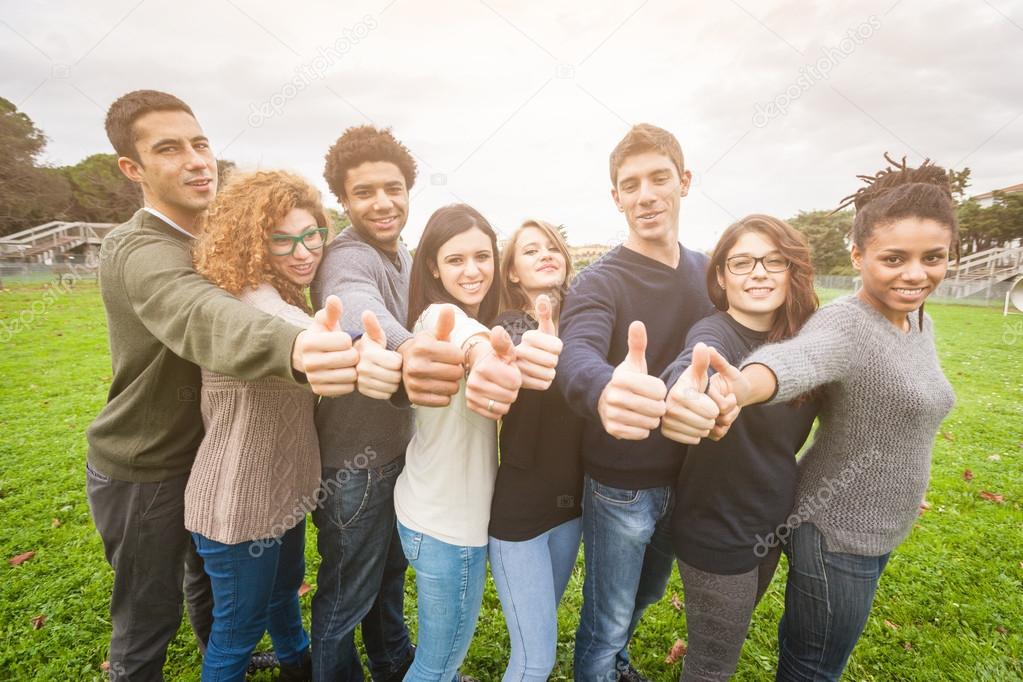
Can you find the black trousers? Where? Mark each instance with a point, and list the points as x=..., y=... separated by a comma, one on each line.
x=155, y=564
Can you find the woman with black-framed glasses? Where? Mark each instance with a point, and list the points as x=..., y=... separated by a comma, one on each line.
x=733, y=492
x=257, y=470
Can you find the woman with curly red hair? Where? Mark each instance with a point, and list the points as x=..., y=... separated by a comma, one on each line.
x=257, y=470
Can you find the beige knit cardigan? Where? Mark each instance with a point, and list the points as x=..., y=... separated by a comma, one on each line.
x=257, y=472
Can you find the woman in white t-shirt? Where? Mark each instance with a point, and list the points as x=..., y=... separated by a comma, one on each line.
x=442, y=497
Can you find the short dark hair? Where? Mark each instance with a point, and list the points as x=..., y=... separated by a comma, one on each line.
x=899, y=191
x=364, y=143
x=644, y=137
x=126, y=109
x=424, y=289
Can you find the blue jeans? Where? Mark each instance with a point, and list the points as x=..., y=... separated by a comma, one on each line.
x=530, y=577
x=827, y=601
x=627, y=541
x=255, y=589
x=449, y=593
x=361, y=577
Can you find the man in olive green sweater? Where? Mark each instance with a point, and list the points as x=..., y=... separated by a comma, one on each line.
x=164, y=322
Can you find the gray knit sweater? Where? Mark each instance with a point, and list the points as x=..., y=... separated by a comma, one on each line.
x=862, y=480
x=357, y=432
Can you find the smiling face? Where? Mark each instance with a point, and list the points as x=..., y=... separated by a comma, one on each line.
x=465, y=267
x=538, y=265
x=299, y=267
x=177, y=170
x=376, y=200
x=901, y=264
x=649, y=192
x=755, y=297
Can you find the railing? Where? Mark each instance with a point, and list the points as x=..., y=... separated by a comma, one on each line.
x=54, y=238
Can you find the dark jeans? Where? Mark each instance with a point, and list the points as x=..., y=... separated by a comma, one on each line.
x=627, y=543
x=361, y=577
x=255, y=590
x=827, y=601
x=144, y=538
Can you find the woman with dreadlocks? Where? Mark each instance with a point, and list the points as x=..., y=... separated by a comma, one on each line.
x=883, y=396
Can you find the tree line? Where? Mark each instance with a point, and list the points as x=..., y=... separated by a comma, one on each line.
x=94, y=190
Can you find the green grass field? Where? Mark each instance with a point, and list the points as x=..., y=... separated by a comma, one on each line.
x=949, y=607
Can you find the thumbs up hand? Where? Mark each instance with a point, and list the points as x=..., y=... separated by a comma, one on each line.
x=379, y=369
x=494, y=379
x=432, y=367
x=325, y=353
x=537, y=354
x=691, y=413
x=723, y=391
x=632, y=403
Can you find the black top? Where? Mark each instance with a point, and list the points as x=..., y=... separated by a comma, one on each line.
x=603, y=301
x=539, y=479
x=733, y=493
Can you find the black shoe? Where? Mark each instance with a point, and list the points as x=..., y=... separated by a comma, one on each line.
x=262, y=660
x=299, y=672
x=630, y=674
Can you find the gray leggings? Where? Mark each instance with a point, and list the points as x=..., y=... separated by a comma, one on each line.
x=718, y=612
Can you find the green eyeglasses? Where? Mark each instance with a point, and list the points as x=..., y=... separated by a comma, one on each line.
x=285, y=244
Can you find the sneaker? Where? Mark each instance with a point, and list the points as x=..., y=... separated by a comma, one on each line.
x=630, y=674
x=262, y=660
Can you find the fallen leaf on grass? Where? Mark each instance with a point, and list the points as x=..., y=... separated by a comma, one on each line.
x=21, y=558
x=992, y=497
x=924, y=506
x=55, y=523
x=907, y=646
x=947, y=436
x=104, y=666
x=968, y=475
x=303, y=589
x=676, y=603
x=678, y=650
x=1001, y=630
x=890, y=624
x=38, y=622
x=994, y=458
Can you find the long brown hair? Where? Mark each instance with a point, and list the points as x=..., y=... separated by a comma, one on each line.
x=801, y=301
x=424, y=288
x=512, y=295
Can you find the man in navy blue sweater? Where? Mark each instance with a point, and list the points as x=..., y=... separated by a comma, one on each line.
x=624, y=320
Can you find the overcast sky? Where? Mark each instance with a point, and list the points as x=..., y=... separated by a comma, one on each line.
x=514, y=108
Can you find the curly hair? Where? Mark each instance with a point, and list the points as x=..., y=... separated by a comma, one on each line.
x=902, y=192
x=360, y=144
x=232, y=250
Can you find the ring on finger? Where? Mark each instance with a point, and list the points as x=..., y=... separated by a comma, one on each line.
x=490, y=405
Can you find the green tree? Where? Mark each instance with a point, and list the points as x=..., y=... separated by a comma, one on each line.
x=29, y=193
x=100, y=191
x=339, y=222
x=828, y=234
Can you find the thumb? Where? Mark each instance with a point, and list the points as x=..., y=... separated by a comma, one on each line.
x=722, y=366
x=697, y=371
x=636, y=359
x=502, y=344
x=329, y=315
x=445, y=323
x=545, y=315
x=373, y=329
